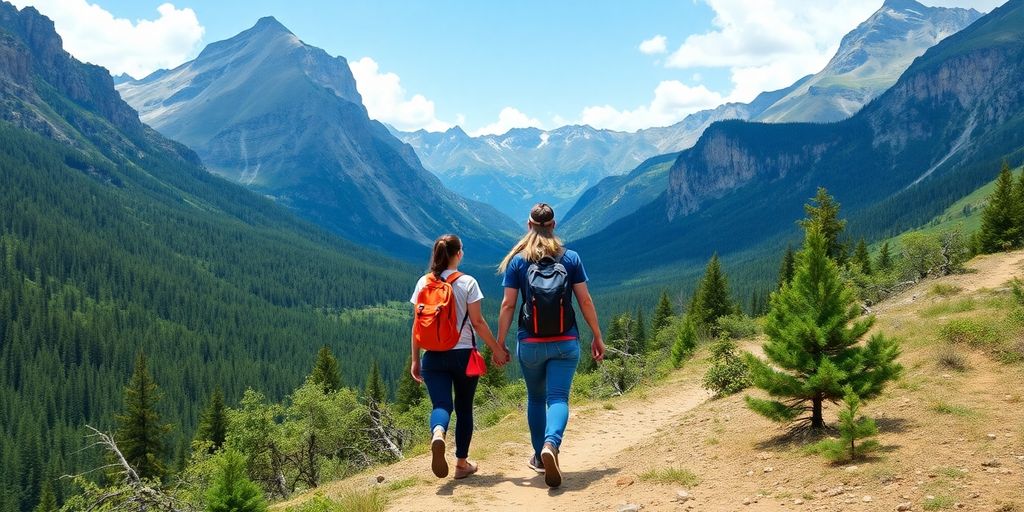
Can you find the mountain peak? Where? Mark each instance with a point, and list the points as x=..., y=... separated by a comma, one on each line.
x=270, y=23
x=903, y=5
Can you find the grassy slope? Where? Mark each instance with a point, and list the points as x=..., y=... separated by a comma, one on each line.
x=947, y=436
x=964, y=215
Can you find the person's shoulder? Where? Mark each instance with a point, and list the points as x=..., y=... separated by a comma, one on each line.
x=467, y=280
x=571, y=255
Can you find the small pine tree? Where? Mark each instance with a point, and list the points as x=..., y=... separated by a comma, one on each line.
x=662, y=314
x=786, y=269
x=884, y=258
x=640, y=331
x=376, y=390
x=813, y=347
x=1000, y=229
x=326, y=371
x=851, y=430
x=213, y=424
x=824, y=215
x=728, y=373
x=409, y=392
x=140, y=434
x=47, y=500
x=684, y=344
x=712, y=300
x=232, y=491
x=861, y=257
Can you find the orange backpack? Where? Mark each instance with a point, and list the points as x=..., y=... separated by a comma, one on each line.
x=435, y=326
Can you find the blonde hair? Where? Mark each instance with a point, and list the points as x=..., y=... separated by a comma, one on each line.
x=539, y=241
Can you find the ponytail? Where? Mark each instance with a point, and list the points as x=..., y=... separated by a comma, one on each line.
x=539, y=241
x=445, y=248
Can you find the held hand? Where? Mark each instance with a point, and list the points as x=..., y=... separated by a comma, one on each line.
x=499, y=357
x=415, y=371
x=597, y=349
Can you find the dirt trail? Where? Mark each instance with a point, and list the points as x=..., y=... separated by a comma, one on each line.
x=608, y=445
x=594, y=440
x=989, y=271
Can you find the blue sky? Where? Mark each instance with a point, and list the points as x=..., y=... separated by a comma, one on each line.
x=489, y=66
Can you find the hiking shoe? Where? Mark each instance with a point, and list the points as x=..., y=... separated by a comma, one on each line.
x=437, y=462
x=549, y=459
x=463, y=472
x=536, y=464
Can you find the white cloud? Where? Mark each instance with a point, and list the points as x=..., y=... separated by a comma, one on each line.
x=769, y=44
x=138, y=48
x=672, y=101
x=385, y=99
x=508, y=118
x=656, y=44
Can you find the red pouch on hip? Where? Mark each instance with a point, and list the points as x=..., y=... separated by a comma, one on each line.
x=477, y=366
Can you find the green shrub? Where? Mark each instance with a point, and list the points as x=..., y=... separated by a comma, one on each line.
x=737, y=326
x=728, y=372
x=967, y=331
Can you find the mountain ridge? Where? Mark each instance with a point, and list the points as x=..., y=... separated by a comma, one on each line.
x=285, y=119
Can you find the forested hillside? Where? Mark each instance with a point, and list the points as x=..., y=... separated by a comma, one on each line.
x=115, y=242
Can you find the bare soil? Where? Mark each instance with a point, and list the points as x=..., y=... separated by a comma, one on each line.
x=951, y=440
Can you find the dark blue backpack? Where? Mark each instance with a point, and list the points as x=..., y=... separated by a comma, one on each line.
x=547, y=301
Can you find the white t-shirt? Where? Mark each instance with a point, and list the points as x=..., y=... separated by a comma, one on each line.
x=467, y=291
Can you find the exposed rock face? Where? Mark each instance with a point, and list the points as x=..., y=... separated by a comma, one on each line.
x=285, y=119
x=869, y=60
x=939, y=133
x=42, y=54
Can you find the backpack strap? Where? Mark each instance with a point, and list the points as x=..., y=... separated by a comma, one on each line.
x=451, y=280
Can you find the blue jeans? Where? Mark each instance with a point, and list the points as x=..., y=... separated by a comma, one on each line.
x=443, y=373
x=548, y=368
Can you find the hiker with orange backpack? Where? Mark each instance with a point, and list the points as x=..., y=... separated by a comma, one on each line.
x=443, y=302
x=547, y=276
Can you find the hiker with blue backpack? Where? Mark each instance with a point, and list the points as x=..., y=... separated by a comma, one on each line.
x=444, y=300
x=547, y=276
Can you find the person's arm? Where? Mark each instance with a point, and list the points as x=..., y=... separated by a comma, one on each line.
x=414, y=370
x=586, y=303
x=499, y=354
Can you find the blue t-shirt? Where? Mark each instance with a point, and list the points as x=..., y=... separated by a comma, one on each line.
x=515, y=277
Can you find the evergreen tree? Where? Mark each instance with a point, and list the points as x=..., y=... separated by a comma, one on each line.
x=232, y=491
x=861, y=257
x=884, y=258
x=140, y=433
x=326, y=371
x=824, y=215
x=685, y=343
x=851, y=430
x=662, y=314
x=47, y=500
x=711, y=300
x=1000, y=226
x=213, y=424
x=409, y=392
x=376, y=391
x=813, y=343
x=640, y=331
x=786, y=269
x=1018, y=199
